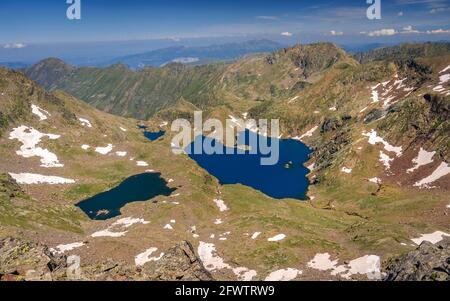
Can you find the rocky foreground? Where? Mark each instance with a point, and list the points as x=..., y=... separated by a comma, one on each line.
x=27, y=261
x=427, y=263
x=22, y=260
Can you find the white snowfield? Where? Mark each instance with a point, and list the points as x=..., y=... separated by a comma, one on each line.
x=104, y=150
x=85, y=146
x=284, y=275
x=221, y=205
x=141, y=163
x=85, y=122
x=307, y=134
x=144, y=257
x=121, y=223
x=64, y=248
x=255, y=235
x=441, y=171
x=423, y=158
x=212, y=262
x=277, y=237
x=442, y=80
x=445, y=69
x=386, y=160
x=322, y=262
x=375, y=180
x=30, y=138
x=31, y=178
x=346, y=170
x=42, y=114
x=369, y=265
x=434, y=237
x=168, y=227
x=374, y=139
x=375, y=98
x=121, y=154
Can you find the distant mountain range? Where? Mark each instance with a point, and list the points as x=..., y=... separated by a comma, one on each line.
x=194, y=55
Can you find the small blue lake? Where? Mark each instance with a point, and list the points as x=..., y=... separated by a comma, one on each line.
x=138, y=188
x=286, y=179
x=152, y=136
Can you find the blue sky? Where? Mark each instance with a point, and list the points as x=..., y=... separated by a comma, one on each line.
x=44, y=21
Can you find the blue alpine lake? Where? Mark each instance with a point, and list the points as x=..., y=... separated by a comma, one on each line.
x=285, y=179
x=152, y=136
x=138, y=188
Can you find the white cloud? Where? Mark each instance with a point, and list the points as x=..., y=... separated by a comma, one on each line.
x=336, y=33
x=438, y=31
x=400, y=14
x=409, y=29
x=286, y=34
x=439, y=10
x=272, y=18
x=15, y=46
x=381, y=32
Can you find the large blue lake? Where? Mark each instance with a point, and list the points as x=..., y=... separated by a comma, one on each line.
x=137, y=188
x=286, y=179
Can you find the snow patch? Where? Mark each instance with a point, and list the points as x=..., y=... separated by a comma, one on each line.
x=386, y=160
x=307, y=134
x=445, y=69
x=277, y=237
x=85, y=122
x=141, y=163
x=369, y=265
x=30, y=178
x=42, y=114
x=434, y=237
x=168, y=227
x=121, y=154
x=284, y=275
x=218, y=221
x=255, y=235
x=375, y=180
x=441, y=171
x=144, y=257
x=85, y=146
x=104, y=150
x=346, y=170
x=30, y=138
x=212, y=262
x=121, y=223
x=323, y=262
x=423, y=158
x=64, y=248
x=221, y=205
x=374, y=139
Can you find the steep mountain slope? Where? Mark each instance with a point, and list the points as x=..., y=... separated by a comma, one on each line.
x=403, y=51
x=122, y=91
x=49, y=72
